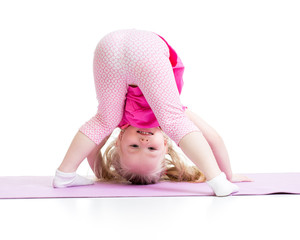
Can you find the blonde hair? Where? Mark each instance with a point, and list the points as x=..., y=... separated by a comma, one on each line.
x=108, y=168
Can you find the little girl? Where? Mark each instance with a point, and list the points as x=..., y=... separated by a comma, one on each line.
x=138, y=80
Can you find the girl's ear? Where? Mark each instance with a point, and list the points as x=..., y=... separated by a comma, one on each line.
x=119, y=138
x=166, y=145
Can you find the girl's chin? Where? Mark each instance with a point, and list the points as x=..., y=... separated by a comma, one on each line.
x=144, y=128
x=152, y=130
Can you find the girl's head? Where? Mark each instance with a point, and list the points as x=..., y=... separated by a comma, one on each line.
x=139, y=156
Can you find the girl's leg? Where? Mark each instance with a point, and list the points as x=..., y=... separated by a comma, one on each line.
x=152, y=72
x=92, y=157
x=79, y=149
x=111, y=89
x=215, y=142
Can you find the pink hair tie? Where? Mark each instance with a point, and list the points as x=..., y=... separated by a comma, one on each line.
x=125, y=126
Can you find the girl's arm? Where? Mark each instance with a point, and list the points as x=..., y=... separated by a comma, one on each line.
x=215, y=142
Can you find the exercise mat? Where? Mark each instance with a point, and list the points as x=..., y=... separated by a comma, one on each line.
x=13, y=187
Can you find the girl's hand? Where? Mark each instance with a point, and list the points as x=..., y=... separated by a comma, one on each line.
x=240, y=178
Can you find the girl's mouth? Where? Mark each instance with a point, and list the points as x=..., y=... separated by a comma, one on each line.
x=145, y=133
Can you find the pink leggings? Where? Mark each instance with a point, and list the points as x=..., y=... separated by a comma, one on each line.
x=141, y=58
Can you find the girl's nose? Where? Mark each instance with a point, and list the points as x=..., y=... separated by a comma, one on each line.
x=144, y=140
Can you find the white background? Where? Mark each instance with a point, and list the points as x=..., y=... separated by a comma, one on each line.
x=242, y=72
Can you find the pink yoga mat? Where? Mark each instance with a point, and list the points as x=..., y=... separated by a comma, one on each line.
x=40, y=187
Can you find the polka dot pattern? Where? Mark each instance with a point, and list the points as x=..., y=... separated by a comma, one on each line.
x=141, y=58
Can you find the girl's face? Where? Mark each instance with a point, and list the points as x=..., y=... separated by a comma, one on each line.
x=142, y=149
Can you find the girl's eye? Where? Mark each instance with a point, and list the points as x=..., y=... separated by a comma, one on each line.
x=136, y=146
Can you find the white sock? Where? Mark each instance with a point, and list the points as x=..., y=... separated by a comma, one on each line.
x=221, y=186
x=62, y=180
